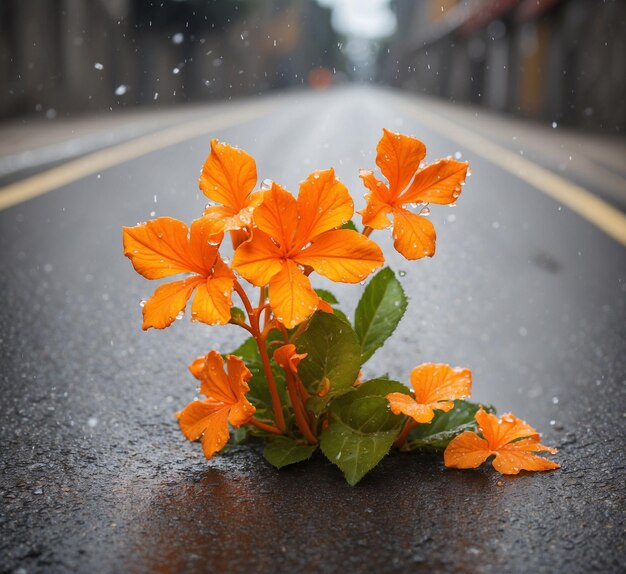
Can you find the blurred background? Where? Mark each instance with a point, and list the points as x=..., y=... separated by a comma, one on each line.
x=556, y=60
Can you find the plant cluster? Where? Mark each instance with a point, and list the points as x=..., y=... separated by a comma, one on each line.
x=295, y=382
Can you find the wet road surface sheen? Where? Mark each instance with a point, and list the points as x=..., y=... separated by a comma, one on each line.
x=96, y=477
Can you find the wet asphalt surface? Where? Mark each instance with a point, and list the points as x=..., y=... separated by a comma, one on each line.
x=96, y=477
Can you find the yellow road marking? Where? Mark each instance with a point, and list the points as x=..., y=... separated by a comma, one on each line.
x=74, y=170
x=595, y=210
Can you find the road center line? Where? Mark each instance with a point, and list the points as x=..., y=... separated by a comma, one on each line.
x=74, y=170
x=595, y=210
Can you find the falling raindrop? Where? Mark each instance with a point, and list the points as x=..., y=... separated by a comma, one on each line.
x=178, y=38
x=98, y=66
x=121, y=90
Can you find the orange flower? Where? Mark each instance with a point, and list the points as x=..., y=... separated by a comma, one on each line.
x=164, y=247
x=294, y=233
x=435, y=387
x=228, y=177
x=288, y=359
x=510, y=439
x=398, y=157
x=225, y=402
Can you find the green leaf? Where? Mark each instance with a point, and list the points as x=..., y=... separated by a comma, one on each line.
x=281, y=451
x=339, y=313
x=240, y=435
x=333, y=353
x=379, y=311
x=350, y=225
x=327, y=296
x=362, y=428
x=237, y=315
x=444, y=427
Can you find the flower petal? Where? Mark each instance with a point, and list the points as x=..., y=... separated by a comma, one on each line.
x=398, y=157
x=466, y=450
x=378, y=190
x=196, y=417
x=160, y=248
x=440, y=182
x=215, y=383
x=212, y=302
x=529, y=445
x=342, y=255
x=278, y=216
x=375, y=213
x=414, y=235
x=434, y=382
x=406, y=405
x=503, y=431
x=216, y=218
x=509, y=461
x=291, y=296
x=216, y=434
x=203, y=244
x=257, y=259
x=238, y=377
x=287, y=358
x=323, y=204
x=228, y=175
x=195, y=368
x=161, y=309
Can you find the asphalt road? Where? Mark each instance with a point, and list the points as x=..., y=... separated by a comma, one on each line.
x=96, y=477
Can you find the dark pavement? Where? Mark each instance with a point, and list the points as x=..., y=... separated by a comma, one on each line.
x=96, y=477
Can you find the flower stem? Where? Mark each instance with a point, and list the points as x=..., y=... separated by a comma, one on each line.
x=367, y=231
x=244, y=299
x=264, y=426
x=253, y=316
x=298, y=409
x=271, y=382
x=408, y=425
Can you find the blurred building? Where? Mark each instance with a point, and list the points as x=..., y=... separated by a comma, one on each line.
x=70, y=55
x=555, y=60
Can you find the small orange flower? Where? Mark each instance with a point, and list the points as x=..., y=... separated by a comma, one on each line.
x=510, y=439
x=398, y=157
x=288, y=359
x=292, y=234
x=225, y=402
x=435, y=387
x=164, y=247
x=228, y=177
